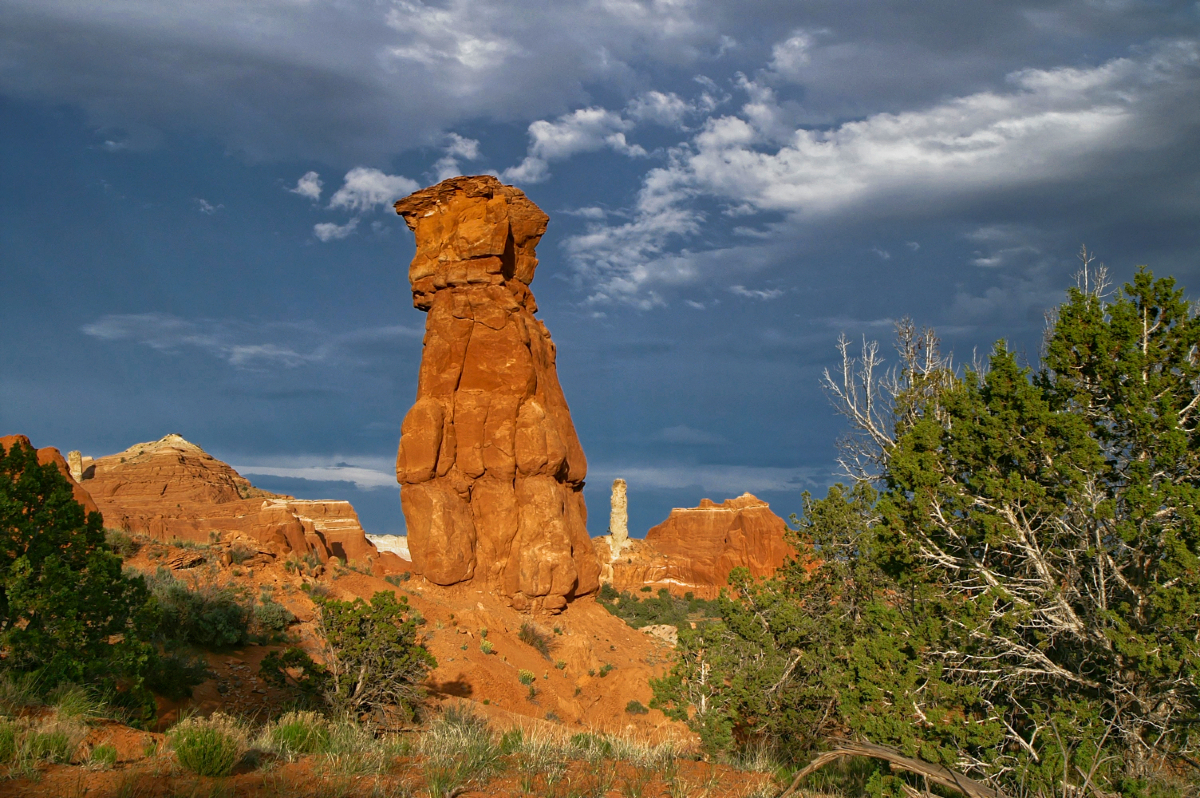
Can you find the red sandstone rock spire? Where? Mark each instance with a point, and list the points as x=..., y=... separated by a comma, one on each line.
x=490, y=468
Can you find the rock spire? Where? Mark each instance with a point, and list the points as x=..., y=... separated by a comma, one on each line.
x=618, y=519
x=490, y=468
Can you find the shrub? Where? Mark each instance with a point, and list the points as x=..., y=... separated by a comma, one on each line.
x=239, y=553
x=373, y=662
x=299, y=733
x=122, y=543
x=272, y=616
x=103, y=756
x=531, y=636
x=67, y=612
x=175, y=674
x=636, y=708
x=525, y=677
x=486, y=647
x=605, y=669
x=208, y=616
x=208, y=746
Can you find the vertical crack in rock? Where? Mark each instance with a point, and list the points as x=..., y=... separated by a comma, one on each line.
x=490, y=468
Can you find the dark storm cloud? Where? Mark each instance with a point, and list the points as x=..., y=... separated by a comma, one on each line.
x=330, y=80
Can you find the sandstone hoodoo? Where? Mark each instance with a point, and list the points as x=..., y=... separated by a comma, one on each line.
x=490, y=468
x=171, y=489
x=696, y=548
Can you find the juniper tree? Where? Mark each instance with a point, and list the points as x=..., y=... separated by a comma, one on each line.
x=1022, y=597
x=67, y=612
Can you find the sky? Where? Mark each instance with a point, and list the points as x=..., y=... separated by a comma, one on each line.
x=196, y=233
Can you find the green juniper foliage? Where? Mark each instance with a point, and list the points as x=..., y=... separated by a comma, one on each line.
x=67, y=612
x=1016, y=593
x=373, y=661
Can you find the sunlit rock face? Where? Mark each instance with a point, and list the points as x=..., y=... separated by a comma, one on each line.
x=490, y=468
x=696, y=548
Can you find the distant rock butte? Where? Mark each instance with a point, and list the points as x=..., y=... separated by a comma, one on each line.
x=171, y=489
x=49, y=454
x=696, y=548
x=490, y=468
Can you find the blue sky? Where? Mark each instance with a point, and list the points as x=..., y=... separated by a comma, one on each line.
x=195, y=233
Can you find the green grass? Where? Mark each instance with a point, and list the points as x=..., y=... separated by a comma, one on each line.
x=459, y=750
x=531, y=636
x=208, y=747
x=103, y=757
x=298, y=733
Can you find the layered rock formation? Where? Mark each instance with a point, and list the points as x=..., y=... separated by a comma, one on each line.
x=49, y=454
x=490, y=468
x=171, y=489
x=696, y=548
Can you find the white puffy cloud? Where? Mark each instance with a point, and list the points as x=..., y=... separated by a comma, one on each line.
x=309, y=185
x=583, y=130
x=661, y=108
x=331, y=231
x=456, y=147
x=790, y=56
x=461, y=147
x=365, y=188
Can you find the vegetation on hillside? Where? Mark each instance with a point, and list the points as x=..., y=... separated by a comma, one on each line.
x=1011, y=586
x=652, y=610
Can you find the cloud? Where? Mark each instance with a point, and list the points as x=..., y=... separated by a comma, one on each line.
x=364, y=188
x=1049, y=125
x=329, y=231
x=661, y=108
x=1047, y=128
x=687, y=436
x=363, y=478
x=456, y=147
x=339, y=81
x=309, y=185
x=789, y=57
x=460, y=147
x=619, y=262
x=583, y=130
x=242, y=345
x=206, y=207
x=716, y=480
x=756, y=293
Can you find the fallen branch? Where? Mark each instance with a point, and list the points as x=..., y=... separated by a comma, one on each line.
x=935, y=773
